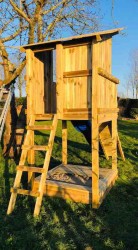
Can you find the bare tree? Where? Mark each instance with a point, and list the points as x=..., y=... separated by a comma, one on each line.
x=133, y=77
x=30, y=21
x=40, y=20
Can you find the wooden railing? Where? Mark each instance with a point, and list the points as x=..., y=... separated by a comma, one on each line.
x=108, y=76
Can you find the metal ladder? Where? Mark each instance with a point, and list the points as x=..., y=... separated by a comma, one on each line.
x=4, y=106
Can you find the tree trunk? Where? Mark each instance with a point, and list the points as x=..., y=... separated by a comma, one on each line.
x=9, y=133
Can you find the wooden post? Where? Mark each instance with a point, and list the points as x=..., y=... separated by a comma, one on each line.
x=64, y=142
x=114, y=143
x=59, y=77
x=31, y=159
x=29, y=83
x=48, y=80
x=95, y=127
x=30, y=104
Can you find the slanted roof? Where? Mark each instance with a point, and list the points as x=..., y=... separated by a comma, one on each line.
x=71, y=40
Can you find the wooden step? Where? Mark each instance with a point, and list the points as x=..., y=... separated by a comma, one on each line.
x=35, y=147
x=3, y=100
x=31, y=169
x=20, y=133
x=120, y=148
x=40, y=127
x=44, y=117
x=25, y=192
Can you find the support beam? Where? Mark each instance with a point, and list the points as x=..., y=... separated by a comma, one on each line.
x=114, y=144
x=59, y=76
x=64, y=142
x=95, y=127
x=29, y=83
x=108, y=76
x=31, y=156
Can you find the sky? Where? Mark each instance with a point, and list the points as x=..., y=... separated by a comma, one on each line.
x=125, y=14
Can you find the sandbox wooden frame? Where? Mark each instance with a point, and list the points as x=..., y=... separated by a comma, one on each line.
x=83, y=71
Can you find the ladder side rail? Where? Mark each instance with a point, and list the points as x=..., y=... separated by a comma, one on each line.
x=6, y=105
x=45, y=167
x=18, y=177
x=4, y=112
x=1, y=93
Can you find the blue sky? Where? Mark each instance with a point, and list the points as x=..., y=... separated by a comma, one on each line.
x=125, y=14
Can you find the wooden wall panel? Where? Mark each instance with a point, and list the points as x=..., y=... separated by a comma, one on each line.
x=77, y=58
x=38, y=90
x=46, y=58
x=77, y=92
x=77, y=89
x=35, y=84
x=59, y=79
x=29, y=83
x=107, y=90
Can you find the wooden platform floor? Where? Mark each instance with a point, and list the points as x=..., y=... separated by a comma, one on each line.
x=74, y=182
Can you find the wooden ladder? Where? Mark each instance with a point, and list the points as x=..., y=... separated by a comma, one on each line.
x=4, y=106
x=105, y=138
x=29, y=146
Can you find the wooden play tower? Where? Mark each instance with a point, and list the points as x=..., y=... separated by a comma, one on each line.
x=83, y=89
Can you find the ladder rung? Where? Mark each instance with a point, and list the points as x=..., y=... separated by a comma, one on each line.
x=40, y=127
x=35, y=147
x=4, y=91
x=31, y=169
x=24, y=192
x=20, y=134
x=3, y=100
x=44, y=117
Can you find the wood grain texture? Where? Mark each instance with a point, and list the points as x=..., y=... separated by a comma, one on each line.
x=108, y=76
x=95, y=127
x=74, y=191
x=77, y=69
x=59, y=78
x=64, y=142
x=45, y=167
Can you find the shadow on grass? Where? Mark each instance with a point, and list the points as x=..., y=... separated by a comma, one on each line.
x=128, y=128
x=74, y=149
x=67, y=225
x=58, y=140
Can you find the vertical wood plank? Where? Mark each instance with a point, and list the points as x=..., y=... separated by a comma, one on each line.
x=31, y=153
x=29, y=83
x=31, y=159
x=39, y=85
x=64, y=142
x=59, y=77
x=77, y=90
x=95, y=129
x=48, y=81
x=30, y=100
x=114, y=144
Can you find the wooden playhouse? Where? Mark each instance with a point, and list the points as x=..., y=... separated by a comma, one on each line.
x=70, y=79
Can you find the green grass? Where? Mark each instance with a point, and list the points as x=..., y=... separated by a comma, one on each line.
x=67, y=225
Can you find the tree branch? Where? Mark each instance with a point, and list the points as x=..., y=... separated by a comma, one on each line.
x=20, y=12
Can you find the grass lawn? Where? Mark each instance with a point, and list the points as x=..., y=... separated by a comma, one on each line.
x=67, y=225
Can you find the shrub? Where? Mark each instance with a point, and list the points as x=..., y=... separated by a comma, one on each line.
x=20, y=101
x=134, y=113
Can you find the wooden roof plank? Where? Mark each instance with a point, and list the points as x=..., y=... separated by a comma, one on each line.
x=69, y=39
